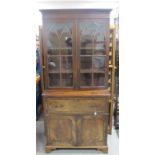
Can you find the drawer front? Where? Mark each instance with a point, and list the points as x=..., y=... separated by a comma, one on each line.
x=76, y=105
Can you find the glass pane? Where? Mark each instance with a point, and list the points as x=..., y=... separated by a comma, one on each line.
x=86, y=79
x=59, y=38
x=99, y=52
x=100, y=48
x=54, y=64
x=86, y=51
x=54, y=80
x=92, y=37
x=86, y=64
x=86, y=46
x=67, y=80
x=53, y=51
x=86, y=42
x=67, y=51
x=98, y=79
x=66, y=63
x=100, y=44
x=99, y=63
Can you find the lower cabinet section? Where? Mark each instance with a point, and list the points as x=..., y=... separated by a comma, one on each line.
x=76, y=122
x=76, y=130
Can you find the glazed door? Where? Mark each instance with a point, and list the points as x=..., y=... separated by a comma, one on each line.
x=93, y=53
x=59, y=50
x=76, y=53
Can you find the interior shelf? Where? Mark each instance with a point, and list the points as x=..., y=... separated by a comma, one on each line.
x=91, y=71
x=62, y=71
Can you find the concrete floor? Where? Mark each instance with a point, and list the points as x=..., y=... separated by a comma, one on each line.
x=113, y=144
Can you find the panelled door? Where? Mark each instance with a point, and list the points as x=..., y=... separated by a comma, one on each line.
x=92, y=130
x=61, y=130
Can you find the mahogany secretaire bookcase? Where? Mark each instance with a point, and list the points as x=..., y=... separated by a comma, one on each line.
x=75, y=78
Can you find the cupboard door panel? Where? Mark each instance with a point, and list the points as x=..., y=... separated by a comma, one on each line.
x=93, y=130
x=61, y=130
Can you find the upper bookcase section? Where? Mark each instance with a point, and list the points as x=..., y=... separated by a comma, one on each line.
x=75, y=48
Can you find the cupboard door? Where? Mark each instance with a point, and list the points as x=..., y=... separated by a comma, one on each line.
x=92, y=130
x=61, y=130
x=92, y=52
x=59, y=50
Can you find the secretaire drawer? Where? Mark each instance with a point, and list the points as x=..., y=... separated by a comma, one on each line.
x=76, y=105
